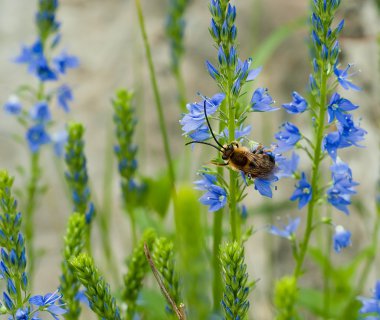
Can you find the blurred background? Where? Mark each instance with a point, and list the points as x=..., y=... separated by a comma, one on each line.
x=106, y=38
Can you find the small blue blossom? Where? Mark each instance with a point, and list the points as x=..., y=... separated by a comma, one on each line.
x=298, y=105
x=37, y=136
x=206, y=181
x=287, y=137
x=342, y=77
x=350, y=134
x=40, y=112
x=264, y=185
x=65, y=61
x=340, y=193
x=262, y=101
x=48, y=303
x=215, y=198
x=13, y=105
x=202, y=134
x=59, y=140
x=31, y=55
x=341, y=238
x=303, y=192
x=252, y=74
x=338, y=107
x=23, y=314
x=212, y=70
x=331, y=143
x=195, y=118
x=287, y=167
x=371, y=305
x=288, y=230
x=37, y=63
x=64, y=95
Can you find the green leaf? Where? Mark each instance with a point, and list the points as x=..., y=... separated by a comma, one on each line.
x=158, y=193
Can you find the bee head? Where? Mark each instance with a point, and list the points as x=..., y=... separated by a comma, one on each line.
x=229, y=149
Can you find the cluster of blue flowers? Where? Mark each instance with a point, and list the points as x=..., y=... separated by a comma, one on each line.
x=342, y=132
x=17, y=302
x=36, y=57
x=230, y=74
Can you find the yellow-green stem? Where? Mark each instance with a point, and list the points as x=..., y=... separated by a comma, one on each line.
x=234, y=218
x=156, y=95
x=315, y=174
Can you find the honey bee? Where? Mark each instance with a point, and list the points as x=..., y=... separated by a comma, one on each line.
x=258, y=163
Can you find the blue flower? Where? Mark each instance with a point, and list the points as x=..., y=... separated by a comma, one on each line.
x=287, y=167
x=303, y=192
x=338, y=199
x=331, y=143
x=288, y=137
x=264, y=185
x=298, y=105
x=206, y=182
x=288, y=230
x=212, y=70
x=202, y=134
x=48, y=303
x=195, y=119
x=252, y=74
x=349, y=133
x=31, y=55
x=342, y=77
x=64, y=61
x=340, y=193
x=64, y=95
x=40, y=112
x=59, y=140
x=371, y=305
x=13, y=105
x=216, y=198
x=341, y=238
x=23, y=314
x=37, y=136
x=338, y=107
x=34, y=58
x=262, y=101
x=44, y=72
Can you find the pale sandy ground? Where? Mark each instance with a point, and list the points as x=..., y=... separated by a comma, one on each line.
x=105, y=37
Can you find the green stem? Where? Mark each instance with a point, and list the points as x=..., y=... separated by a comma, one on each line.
x=234, y=218
x=217, y=286
x=106, y=211
x=315, y=174
x=32, y=191
x=156, y=95
x=132, y=217
x=327, y=269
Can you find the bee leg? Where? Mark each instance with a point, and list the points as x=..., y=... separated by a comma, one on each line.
x=219, y=164
x=259, y=149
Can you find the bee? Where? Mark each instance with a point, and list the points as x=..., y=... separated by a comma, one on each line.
x=258, y=163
